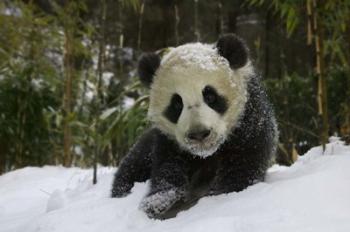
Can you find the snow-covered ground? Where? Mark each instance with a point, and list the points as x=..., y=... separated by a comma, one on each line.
x=312, y=195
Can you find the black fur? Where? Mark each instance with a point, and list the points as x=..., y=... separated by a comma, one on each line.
x=233, y=49
x=214, y=100
x=240, y=161
x=173, y=111
x=147, y=67
x=136, y=165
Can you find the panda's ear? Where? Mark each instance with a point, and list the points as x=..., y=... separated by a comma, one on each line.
x=147, y=67
x=233, y=49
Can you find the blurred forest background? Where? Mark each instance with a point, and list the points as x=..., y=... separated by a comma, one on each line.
x=70, y=95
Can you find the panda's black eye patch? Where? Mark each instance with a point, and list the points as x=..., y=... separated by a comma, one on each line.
x=214, y=100
x=174, y=109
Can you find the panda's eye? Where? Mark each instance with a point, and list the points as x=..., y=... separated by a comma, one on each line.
x=174, y=109
x=177, y=103
x=209, y=95
x=214, y=100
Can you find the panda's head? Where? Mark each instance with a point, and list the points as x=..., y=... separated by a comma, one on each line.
x=198, y=92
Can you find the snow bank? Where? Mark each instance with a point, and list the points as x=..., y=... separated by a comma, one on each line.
x=312, y=195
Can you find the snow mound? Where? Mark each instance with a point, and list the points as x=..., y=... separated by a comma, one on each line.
x=311, y=195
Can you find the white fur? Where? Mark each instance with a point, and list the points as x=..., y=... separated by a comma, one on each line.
x=186, y=70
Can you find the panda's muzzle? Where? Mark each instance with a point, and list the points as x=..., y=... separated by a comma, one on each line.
x=198, y=135
x=202, y=141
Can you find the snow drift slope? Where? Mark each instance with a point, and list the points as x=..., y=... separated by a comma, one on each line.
x=312, y=195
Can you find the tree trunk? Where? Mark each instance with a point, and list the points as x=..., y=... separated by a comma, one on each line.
x=101, y=54
x=196, y=27
x=67, y=99
x=320, y=71
x=176, y=26
x=232, y=19
x=345, y=128
x=20, y=129
x=100, y=98
x=121, y=36
x=220, y=24
x=139, y=32
x=3, y=158
x=166, y=30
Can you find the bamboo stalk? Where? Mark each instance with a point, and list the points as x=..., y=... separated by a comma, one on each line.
x=309, y=21
x=67, y=98
x=320, y=71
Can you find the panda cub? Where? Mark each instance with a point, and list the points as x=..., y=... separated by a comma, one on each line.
x=213, y=129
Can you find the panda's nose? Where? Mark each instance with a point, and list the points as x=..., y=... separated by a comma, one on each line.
x=198, y=135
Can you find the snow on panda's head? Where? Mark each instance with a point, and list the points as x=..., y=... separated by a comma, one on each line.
x=198, y=92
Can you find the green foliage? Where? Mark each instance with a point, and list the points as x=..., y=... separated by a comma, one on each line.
x=339, y=95
x=124, y=125
x=290, y=11
x=134, y=4
x=335, y=18
x=27, y=141
x=28, y=86
x=294, y=100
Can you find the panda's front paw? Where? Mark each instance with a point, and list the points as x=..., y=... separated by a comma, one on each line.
x=121, y=189
x=157, y=204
